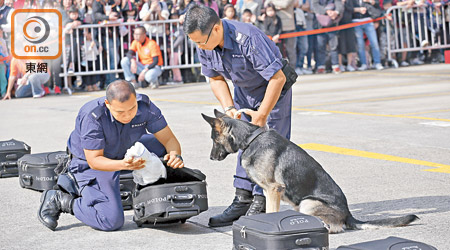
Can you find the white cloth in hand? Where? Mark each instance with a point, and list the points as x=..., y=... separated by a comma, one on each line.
x=154, y=168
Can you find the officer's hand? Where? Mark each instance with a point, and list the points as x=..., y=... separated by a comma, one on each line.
x=133, y=163
x=258, y=118
x=232, y=112
x=173, y=161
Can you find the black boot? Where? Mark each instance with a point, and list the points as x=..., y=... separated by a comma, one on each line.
x=53, y=202
x=238, y=208
x=258, y=206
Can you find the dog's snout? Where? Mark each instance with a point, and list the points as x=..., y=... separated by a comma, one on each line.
x=217, y=157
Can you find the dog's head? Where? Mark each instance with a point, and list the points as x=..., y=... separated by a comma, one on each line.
x=224, y=142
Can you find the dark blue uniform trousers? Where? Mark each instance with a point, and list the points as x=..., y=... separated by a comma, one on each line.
x=280, y=124
x=100, y=204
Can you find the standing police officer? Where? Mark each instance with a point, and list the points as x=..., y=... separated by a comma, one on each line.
x=105, y=128
x=244, y=54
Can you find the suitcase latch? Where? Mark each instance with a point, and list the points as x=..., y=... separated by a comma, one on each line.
x=27, y=180
x=11, y=157
x=243, y=234
x=302, y=242
x=181, y=189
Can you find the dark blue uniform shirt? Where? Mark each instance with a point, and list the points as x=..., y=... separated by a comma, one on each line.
x=249, y=59
x=96, y=128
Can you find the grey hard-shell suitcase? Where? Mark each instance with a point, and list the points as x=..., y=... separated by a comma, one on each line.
x=127, y=186
x=37, y=171
x=10, y=152
x=281, y=231
x=390, y=243
x=175, y=199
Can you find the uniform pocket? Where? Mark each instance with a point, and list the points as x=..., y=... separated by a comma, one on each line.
x=238, y=64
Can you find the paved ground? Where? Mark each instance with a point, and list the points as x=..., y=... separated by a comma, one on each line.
x=383, y=137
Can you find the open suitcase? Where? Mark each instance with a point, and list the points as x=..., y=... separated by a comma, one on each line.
x=390, y=243
x=37, y=171
x=175, y=199
x=10, y=152
x=286, y=230
x=127, y=186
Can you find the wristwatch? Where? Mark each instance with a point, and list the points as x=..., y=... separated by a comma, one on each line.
x=229, y=108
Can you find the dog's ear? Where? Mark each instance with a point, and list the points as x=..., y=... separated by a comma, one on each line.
x=210, y=120
x=218, y=114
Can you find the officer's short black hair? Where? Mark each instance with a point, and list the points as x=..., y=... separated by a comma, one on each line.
x=200, y=17
x=120, y=90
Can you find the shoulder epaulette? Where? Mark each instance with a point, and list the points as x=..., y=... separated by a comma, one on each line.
x=145, y=99
x=97, y=112
x=241, y=38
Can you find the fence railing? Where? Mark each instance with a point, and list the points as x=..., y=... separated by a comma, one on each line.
x=418, y=28
x=115, y=39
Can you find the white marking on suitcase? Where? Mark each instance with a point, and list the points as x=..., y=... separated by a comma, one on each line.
x=243, y=234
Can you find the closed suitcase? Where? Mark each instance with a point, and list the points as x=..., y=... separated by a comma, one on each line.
x=127, y=186
x=175, y=199
x=390, y=243
x=281, y=231
x=37, y=171
x=10, y=152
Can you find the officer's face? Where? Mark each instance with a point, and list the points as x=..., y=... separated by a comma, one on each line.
x=123, y=112
x=208, y=41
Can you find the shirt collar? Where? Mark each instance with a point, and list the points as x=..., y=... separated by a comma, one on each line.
x=138, y=99
x=146, y=40
x=227, y=34
x=110, y=115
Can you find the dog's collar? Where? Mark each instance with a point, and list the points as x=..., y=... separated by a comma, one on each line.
x=253, y=136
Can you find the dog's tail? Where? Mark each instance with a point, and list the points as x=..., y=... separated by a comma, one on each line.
x=352, y=223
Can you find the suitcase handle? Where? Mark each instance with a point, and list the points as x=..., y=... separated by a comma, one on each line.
x=11, y=157
x=27, y=180
x=303, y=241
x=139, y=211
x=245, y=247
x=8, y=163
x=125, y=195
x=182, y=197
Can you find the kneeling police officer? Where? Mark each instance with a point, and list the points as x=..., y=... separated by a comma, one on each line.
x=105, y=128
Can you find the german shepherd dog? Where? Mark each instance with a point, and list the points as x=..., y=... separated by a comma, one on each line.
x=285, y=171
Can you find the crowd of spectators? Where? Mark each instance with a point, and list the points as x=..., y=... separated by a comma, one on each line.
x=361, y=48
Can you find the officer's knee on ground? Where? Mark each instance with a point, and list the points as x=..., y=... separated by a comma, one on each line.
x=112, y=222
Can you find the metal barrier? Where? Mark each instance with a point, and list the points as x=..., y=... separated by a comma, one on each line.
x=411, y=29
x=115, y=39
x=418, y=28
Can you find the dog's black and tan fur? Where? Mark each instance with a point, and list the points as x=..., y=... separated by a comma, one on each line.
x=285, y=171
